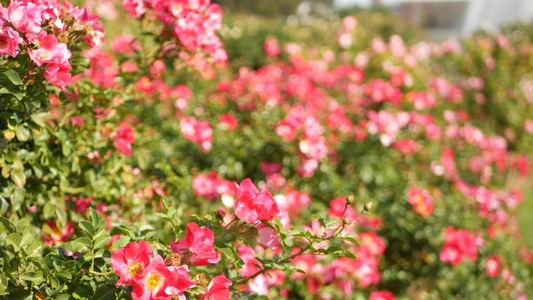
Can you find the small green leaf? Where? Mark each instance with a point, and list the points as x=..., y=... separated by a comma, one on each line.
x=8, y=225
x=351, y=239
x=64, y=274
x=348, y=254
x=105, y=292
x=32, y=276
x=94, y=217
x=81, y=243
x=14, y=239
x=164, y=200
x=19, y=178
x=101, y=240
x=23, y=134
x=27, y=237
x=87, y=227
x=13, y=77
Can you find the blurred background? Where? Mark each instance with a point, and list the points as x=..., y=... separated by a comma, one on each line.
x=442, y=19
x=315, y=23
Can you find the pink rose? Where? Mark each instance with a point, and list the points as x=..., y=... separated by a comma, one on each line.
x=158, y=281
x=134, y=7
x=129, y=262
x=58, y=75
x=49, y=51
x=123, y=139
x=382, y=295
x=218, y=289
x=197, y=246
x=9, y=41
x=252, y=206
x=198, y=132
x=25, y=16
x=492, y=266
x=266, y=236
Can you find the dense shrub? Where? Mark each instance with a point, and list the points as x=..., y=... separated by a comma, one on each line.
x=369, y=171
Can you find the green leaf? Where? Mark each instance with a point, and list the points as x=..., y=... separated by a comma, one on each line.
x=105, y=292
x=8, y=225
x=227, y=252
x=27, y=237
x=64, y=274
x=32, y=276
x=23, y=134
x=101, y=240
x=348, y=254
x=34, y=249
x=94, y=217
x=13, y=77
x=122, y=241
x=19, y=178
x=164, y=200
x=14, y=239
x=81, y=243
x=351, y=239
x=3, y=206
x=87, y=227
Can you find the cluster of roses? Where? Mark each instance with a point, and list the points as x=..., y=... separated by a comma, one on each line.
x=193, y=23
x=458, y=244
x=153, y=277
x=156, y=278
x=42, y=29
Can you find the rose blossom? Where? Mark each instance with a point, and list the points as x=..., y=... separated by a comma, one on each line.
x=9, y=41
x=197, y=246
x=130, y=261
x=123, y=139
x=158, y=281
x=218, y=289
x=252, y=206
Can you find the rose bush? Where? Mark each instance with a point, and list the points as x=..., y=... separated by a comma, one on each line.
x=124, y=160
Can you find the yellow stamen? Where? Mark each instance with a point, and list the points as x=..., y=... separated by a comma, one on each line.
x=153, y=281
x=135, y=268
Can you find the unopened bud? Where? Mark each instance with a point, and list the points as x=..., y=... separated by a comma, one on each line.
x=345, y=220
x=368, y=206
x=173, y=260
x=350, y=199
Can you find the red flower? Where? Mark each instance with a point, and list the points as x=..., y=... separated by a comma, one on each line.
x=158, y=281
x=382, y=295
x=267, y=236
x=457, y=244
x=9, y=41
x=49, y=51
x=52, y=234
x=123, y=139
x=129, y=262
x=218, y=289
x=492, y=265
x=229, y=121
x=197, y=246
x=247, y=255
x=199, y=132
x=252, y=206
x=421, y=201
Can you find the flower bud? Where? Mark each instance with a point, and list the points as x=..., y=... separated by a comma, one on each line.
x=368, y=206
x=345, y=220
x=350, y=199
